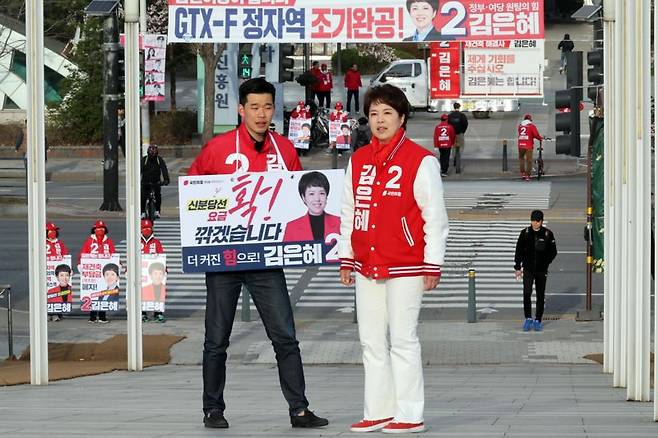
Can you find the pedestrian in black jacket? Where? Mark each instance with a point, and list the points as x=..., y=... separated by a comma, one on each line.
x=459, y=122
x=565, y=46
x=154, y=174
x=535, y=250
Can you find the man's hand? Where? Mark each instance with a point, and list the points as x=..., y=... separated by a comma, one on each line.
x=430, y=282
x=346, y=277
x=518, y=274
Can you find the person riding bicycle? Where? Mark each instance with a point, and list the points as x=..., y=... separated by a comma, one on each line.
x=526, y=141
x=154, y=174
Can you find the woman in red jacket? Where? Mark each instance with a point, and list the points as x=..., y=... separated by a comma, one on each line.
x=97, y=243
x=394, y=228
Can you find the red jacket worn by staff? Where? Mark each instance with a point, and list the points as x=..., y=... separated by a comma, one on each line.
x=527, y=135
x=393, y=218
x=444, y=135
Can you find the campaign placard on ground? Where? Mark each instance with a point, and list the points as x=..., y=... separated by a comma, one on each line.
x=154, y=282
x=99, y=282
x=259, y=220
x=58, y=284
x=340, y=133
x=299, y=133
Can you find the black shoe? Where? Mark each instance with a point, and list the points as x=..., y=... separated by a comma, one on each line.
x=215, y=420
x=308, y=420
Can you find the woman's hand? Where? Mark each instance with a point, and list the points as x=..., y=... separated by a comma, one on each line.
x=430, y=281
x=346, y=277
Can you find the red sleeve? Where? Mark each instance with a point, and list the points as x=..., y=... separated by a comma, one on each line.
x=294, y=164
x=436, y=136
x=451, y=134
x=358, y=75
x=65, y=250
x=535, y=133
x=110, y=244
x=331, y=80
x=158, y=247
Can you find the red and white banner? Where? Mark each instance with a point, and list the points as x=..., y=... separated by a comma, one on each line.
x=445, y=67
x=275, y=21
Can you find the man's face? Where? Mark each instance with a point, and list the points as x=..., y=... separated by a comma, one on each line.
x=536, y=225
x=63, y=278
x=157, y=276
x=354, y=67
x=111, y=278
x=315, y=198
x=422, y=14
x=257, y=114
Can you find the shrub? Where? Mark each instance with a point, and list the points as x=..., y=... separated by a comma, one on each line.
x=9, y=133
x=174, y=127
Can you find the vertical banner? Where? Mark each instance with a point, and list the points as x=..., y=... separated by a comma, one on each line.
x=154, y=282
x=226, y=86
x=99, y=282
x=299, y=133
x=58, y=284
x=340, y=133
x=155, y=47
x=445, y=68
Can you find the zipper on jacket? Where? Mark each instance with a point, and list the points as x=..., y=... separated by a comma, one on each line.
x=407, y=233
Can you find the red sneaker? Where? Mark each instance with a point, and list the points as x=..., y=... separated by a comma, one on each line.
x=370, y=425
x=403, y=427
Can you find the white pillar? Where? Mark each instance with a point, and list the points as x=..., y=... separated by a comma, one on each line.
x=146, y=117
x=36, y=190
x=608, y=178
x=655, y=369
x=133, y=154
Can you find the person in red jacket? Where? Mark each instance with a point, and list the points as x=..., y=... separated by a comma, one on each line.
x=54, y=246
x=527, y=135
x=444, y=140
x=324, y=87
x=394, y=228
x=97, y=243
x=252, y=148
x=150, y=245
x=315, y=71
x=352, y=84
x=316, y=224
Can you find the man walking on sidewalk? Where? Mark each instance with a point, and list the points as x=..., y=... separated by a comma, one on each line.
x=459, y=122
x=535, y=250
x=444, y=140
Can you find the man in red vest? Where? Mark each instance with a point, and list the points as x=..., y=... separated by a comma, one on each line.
x=526, y=141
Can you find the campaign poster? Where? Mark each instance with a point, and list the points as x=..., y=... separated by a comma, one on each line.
x=99, y=282
x=260, y=220
x=445, y=67
x=382, y=21
x=155, y=54
x=341, y=134
x=226, y=86
x=299, y=133
x=154, y=282
x=58, y=284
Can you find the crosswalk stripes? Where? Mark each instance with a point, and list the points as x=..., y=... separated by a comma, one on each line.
x=486, y=246
x=496, y=195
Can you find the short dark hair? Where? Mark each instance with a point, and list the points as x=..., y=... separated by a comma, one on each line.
x=456, y=105
x=344, y=125
x=363, y=121
x=314, y=63
x=313, y=179
x=537, y=215
x=391, y=96
x=256, y=86
x=111, y=267
x=157, y=266
x=306, y=125
x=434, y=4
x=62, y=268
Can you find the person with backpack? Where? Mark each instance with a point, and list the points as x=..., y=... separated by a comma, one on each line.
x=154, y=174
x=459, y=122
x=444, y=140
x=565, y=46
x=535, y=251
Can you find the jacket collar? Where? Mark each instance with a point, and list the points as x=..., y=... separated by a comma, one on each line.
x=383, y=153
x=247, y=141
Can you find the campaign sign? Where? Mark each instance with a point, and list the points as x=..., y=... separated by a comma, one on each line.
x=154, y=282
x=58, y=284
x=381, y=21
x=99, y=282
x=341, y=134
x=155, y=54
x=259, y=220
x=299, y=133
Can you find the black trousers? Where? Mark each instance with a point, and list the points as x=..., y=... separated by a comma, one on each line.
x=539, y=279
x=355, y=94
x=269, y=293
x=158, y=195
x=444, y=159
x=324, y=96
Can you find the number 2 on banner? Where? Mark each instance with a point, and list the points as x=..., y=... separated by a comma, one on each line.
x=453, y=27
x=86, y=304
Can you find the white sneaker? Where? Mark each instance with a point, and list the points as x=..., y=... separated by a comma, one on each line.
x=157, y=215
x=142, y=216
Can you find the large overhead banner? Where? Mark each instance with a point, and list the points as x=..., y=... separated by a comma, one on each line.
x=274, y=21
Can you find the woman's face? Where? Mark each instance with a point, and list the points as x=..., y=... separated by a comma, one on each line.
x=422, y=14
x=157, y=276
x=315, y=198
x=384, y=121
x=63, y=278
x=111, y=278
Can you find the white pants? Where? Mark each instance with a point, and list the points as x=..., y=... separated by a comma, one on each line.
x=393, y=374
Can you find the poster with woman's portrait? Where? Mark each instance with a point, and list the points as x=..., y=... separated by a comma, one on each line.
x=154, y=282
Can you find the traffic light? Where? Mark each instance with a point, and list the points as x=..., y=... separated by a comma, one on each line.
x=286, y=63
x=567, y=102
x=595, y=74
x=244, y=65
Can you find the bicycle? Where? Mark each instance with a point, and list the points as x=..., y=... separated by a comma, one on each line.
x=151, y=202
x=539, y=161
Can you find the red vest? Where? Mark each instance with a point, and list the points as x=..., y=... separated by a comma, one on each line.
x=444, y=135
x=151, y=246
x=527, y=135
x=56, y=248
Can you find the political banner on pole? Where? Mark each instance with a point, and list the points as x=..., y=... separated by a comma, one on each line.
x=58, y=284
x=299, y=132
x=504, y=68
x=275, y=21
x=226, y=86
x=341, y=134
x=155, y=47
x=154, y=282
x=445, y=68
x=99, y=282
x=259, y=220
